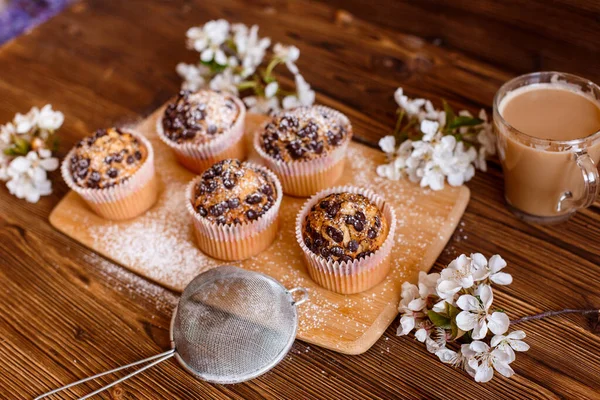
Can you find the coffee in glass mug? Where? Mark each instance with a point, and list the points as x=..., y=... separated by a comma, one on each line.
x=547, y=126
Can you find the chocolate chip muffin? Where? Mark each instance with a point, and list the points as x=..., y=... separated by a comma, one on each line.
x=199, y=117
x=305, y=133
x=107, y=158
x=344, y=227
x=230, y=192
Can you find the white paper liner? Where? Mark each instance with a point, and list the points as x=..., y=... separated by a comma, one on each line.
x=119, y=192
x=200, y=156
x=306, y=177
x=236, y=241
x=353, y=276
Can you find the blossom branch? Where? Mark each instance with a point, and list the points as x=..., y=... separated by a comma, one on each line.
x=548, y=314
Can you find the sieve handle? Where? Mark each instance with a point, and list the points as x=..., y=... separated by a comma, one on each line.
x=157, y=360
x=303, y=292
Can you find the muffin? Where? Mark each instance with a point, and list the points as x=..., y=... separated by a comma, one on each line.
x=306, y=148
x=234, y=208
x=203, y=127
x=113, y=171
x=346, y=234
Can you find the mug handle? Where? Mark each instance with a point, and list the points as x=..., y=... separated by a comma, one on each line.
x=591, y=180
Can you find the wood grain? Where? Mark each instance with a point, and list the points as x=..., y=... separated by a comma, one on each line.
x=104, y=62
x=346, y=324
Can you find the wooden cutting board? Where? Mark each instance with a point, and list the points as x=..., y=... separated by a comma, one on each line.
x=159, y=244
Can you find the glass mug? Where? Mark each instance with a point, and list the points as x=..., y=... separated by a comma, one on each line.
x=546, y=181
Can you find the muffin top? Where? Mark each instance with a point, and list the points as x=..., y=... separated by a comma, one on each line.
x=343, y=227
x=231, y=192
x=304, y=133
x=107, y=158
x=199, y=117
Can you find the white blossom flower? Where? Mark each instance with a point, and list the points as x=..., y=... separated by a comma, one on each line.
x=262, y=105
x=388, y=144
x=492, y=270
x=432, y=176
x=390, y=171
x=250, y=47
x=432, y=114
x=304, y=95
x=456, y=276
x=410, y=307
x=429, y=129
x=510, y=343
x=271, y=89
x=27, y=176
x=226, y=81
x=411, y=107
x=208, y=40
x=24, y=123
x=193, y=76
x=485, y=361
x=476, y=316
x=460, y=169
x=288, y=55
x=458, y=359
x=49, y=119
x=427, y=284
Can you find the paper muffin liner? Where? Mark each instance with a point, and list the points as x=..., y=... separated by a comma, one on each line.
x=306, y=177
x=236, y=241
x=198, y=157
x=357, y=275
x=125, y=200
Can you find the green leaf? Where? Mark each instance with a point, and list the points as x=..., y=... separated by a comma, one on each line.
x=461, y=121
x=439, y=320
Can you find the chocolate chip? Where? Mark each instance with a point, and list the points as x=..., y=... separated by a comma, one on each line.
x=324, y=252
x=308, y=242
x=352, y=245
x=350, y=220
x=83, y=163
x=108, y=159
x=359, y=226
x=100, y=132
x=372, y=233
x=212, y=129
x=118, y=157
x=217, y=210
x=318, y=147
x=208, y=174
x=229, y=183
x=221, y=220
x=360, y=216
x=335, y=234
x=138, y=155
x=346, y=259
x=267, y=189
x=82, y=173
x=95, y=176
x=130, y=159
x=333, y=210
x=218, y=168
x=318, y=240
x=236, y=221
x=377, y=222
x=251, y=214
x=364, y=254
x=254, y=198
x=324, y=204
x=202, y=211
x=233, y=203
x=112, y=172
x=337, y=251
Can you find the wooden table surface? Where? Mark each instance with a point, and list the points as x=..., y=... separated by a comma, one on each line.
x=66, y=313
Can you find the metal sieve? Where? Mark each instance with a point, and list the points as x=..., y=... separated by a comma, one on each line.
x=230, y=325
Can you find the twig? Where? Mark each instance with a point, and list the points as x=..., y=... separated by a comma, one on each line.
x=552, y=314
